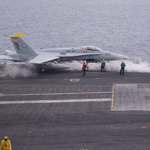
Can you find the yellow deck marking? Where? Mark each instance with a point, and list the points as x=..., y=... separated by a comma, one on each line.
x=112, y=102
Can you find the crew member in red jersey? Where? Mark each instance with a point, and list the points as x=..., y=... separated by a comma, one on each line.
x=84, y=68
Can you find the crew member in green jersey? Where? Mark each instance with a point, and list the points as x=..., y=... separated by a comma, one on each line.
x=103, y=66
x=122, y=67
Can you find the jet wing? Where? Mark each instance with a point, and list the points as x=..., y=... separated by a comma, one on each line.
x=43, y=57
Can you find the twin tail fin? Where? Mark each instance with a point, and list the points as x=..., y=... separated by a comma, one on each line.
x=23, y=46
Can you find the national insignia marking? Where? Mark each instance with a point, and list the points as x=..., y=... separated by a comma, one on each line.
x=23, y=45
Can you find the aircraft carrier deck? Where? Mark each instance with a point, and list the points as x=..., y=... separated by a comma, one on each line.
x=63, y=110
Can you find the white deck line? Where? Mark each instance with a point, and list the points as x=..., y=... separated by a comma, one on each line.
x=29, y=94
x=55, y=101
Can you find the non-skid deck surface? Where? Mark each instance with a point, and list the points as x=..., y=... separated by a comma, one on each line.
x=131, y=97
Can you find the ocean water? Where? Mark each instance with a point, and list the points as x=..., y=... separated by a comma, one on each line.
x=121, y=26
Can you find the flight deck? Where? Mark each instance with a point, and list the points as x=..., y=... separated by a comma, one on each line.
x=63, y=110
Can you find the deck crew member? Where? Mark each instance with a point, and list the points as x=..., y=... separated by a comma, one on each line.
x=122, y=67
x=84, y=68
x=103, y=66
x=5, y=144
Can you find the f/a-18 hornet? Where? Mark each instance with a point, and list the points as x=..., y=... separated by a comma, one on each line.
x=26, y=52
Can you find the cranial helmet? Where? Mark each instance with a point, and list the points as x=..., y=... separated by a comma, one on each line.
x=6, y=138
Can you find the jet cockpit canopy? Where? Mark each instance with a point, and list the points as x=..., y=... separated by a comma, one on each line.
x=91, y=48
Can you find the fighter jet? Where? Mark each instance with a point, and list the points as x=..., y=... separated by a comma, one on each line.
x=27, y=53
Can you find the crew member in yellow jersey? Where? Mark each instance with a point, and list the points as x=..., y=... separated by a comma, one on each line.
x=6, y=144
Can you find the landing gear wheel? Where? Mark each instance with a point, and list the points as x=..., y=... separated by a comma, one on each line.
x=42, y=70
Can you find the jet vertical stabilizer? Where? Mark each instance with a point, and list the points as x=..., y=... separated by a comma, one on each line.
x=23, y=46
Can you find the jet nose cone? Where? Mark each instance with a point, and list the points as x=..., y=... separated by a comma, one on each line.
x=126, y=58
x=123, y=57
